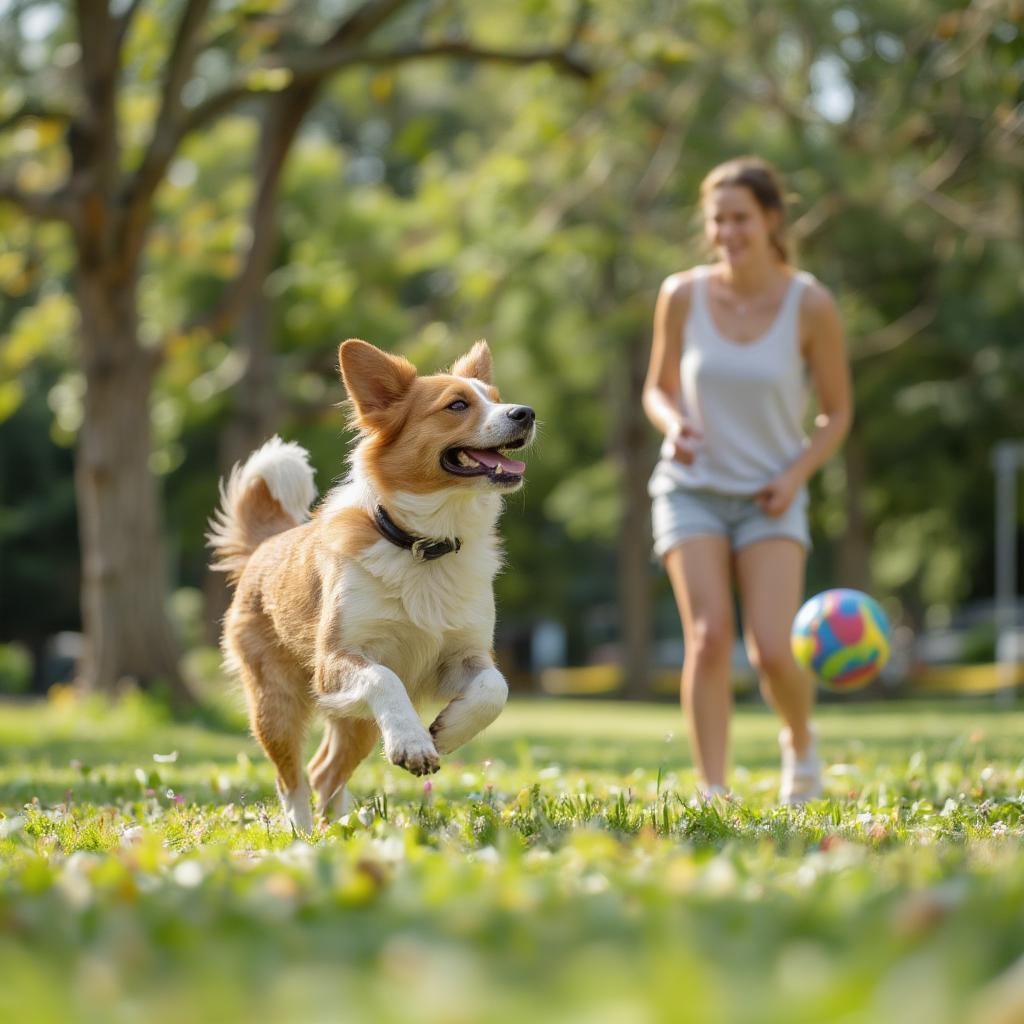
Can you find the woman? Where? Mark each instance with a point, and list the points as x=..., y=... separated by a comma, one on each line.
x=734, y=345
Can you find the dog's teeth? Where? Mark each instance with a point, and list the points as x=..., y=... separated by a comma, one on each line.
x=498, y=471
x=467, y=460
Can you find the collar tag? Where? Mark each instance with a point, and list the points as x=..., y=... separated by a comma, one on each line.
x=423, y=549
x=426, y=550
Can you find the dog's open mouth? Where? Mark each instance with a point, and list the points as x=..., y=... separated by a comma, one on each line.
x=490, y=462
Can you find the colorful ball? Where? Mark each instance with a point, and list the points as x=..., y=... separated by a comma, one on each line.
x=842, y=636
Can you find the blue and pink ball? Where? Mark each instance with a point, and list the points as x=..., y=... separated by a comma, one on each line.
x=842, y=637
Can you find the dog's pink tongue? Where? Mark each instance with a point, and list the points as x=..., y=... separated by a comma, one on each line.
x=491, y=458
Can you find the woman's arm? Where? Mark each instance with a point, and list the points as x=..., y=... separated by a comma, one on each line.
x=661, y=398
x=825, y=352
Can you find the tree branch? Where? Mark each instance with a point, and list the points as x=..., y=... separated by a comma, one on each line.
x=288, y=107
x=319, y=65
x=982, y=224
x=362, y=23
x=814, y=219
x=936, y=174
x=978, y=20
x=764, y=20
x=174, y=124
x=179, y=63
x=124, y=21
x=166, y=136
x=580, y=20
x=281, y=124
x=674, y=128
x=896, y=333
x=316, y=67
x=93, y=140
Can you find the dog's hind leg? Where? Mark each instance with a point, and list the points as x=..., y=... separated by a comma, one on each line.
x=346, y=742
x=478, y=692
x=279, y=710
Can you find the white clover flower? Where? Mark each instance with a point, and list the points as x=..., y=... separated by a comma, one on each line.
x=188, y=874
x=11, y=825
x=132, y=834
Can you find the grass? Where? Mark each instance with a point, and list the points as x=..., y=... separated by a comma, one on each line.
x=556, y=869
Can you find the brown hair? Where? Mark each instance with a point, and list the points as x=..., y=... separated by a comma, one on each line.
x=765, y=186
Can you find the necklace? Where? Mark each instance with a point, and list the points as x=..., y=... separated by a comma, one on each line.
x=745, y=306
x=742, y=307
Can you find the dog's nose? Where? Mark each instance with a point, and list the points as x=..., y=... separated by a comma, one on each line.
x=522, y=414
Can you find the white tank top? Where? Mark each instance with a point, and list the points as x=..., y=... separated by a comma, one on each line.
x=746, y=399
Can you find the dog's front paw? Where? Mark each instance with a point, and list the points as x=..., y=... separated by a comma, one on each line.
x=416, y=754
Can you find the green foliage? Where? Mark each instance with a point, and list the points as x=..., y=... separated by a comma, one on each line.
x=144, y=864
x=430, y=203
x=15, y=668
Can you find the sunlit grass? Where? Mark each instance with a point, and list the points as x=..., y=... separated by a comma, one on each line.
x=558, y=869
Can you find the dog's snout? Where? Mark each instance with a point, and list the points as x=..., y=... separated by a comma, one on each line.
x=522, y=414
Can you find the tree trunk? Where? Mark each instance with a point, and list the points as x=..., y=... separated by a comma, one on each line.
x=124, y=575
x=635, y=536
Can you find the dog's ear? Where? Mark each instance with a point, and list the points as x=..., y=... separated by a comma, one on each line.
x=475, y=363
x=374, y=380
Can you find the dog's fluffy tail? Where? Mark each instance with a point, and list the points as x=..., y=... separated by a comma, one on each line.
x=270, y=493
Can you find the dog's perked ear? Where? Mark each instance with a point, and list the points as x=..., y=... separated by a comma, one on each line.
x=475, y=363
x=373, y=379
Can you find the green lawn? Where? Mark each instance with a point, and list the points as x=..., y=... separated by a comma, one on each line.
x=556, y=870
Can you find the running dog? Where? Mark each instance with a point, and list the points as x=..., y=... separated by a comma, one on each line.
x=382, y=599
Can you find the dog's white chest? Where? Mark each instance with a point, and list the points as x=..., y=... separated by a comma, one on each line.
x=405, y=614
x=453, y=592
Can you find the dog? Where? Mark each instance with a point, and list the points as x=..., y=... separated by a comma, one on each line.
x=381, y=599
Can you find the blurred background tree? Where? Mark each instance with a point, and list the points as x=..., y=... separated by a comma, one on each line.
x=99, y=103
x=426, y=202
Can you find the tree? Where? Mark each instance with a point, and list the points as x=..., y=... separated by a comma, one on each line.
x=544, y=216
x=103, y=184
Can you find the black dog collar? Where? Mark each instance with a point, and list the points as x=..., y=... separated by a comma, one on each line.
x=424, y=549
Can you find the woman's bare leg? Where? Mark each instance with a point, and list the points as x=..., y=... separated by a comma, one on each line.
x=700, y=573
x=770, y=574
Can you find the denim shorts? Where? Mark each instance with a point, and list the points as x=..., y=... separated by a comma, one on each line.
x=681, y=515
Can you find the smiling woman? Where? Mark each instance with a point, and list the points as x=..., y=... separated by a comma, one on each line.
x=734, y=343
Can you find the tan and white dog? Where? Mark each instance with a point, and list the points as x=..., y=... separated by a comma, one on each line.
x=383, y=599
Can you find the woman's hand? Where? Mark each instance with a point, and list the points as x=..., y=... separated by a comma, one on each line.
x=684, y=438
x=775, y=497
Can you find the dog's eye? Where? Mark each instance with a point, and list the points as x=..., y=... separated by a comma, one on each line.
x=458, y=405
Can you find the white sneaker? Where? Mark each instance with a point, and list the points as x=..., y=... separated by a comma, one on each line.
x=801, y=776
